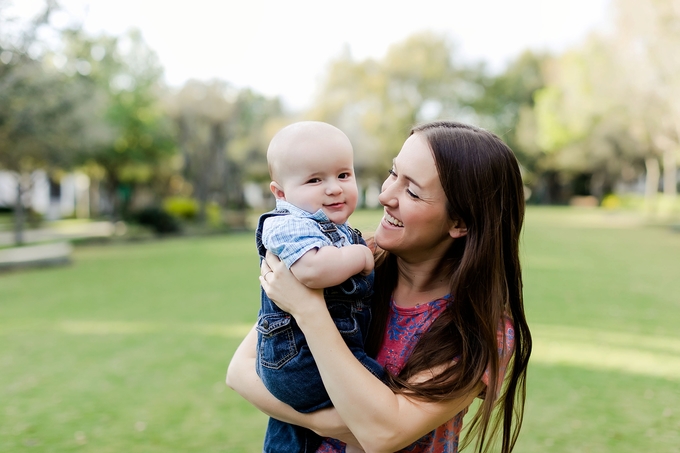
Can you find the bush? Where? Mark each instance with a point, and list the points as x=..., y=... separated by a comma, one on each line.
x=611, y=201
x=188, y=209
x=181, y=207
x=213, y=215
x=158, y=220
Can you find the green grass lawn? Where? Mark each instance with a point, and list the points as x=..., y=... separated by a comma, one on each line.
x=126, y=349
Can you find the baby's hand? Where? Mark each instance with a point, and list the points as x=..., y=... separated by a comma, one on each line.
x=370, y=263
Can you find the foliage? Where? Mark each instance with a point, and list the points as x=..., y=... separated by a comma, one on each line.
x=43, y=113
x=506, y=99
x=581, y=119
x=609, y=109
x=376, y=102
x=181, y=207
x=126, y=74
x=593, y=120
x=256, y=119
x=41, y=119
x=187, y=209
x=157, y=219
x=222, y=133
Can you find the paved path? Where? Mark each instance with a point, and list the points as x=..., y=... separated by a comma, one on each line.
x=36, y=255
x=52, y=246
x=61, y=232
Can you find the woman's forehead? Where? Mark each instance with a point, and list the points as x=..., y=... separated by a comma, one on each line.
x=415, y=161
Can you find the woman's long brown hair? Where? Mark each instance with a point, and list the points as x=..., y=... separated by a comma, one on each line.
x=481, y=178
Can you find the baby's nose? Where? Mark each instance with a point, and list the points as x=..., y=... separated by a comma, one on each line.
x=333, y=188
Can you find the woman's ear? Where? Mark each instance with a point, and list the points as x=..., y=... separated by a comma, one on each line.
x=277, y=190
x=458, y=229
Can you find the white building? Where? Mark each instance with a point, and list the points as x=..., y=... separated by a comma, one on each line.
x=54, y=200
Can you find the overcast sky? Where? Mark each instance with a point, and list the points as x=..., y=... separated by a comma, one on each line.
x=282, y=47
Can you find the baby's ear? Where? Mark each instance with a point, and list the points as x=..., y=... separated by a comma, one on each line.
x=277, y=190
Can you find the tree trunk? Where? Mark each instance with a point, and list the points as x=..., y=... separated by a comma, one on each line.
x=211, y=167
x=201, y=186
x=670, y=173
x=598, y=183
x=651, y=181
x=19, y=213
x=94, y=198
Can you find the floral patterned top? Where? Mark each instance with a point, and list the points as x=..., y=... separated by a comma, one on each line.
x=404, y=329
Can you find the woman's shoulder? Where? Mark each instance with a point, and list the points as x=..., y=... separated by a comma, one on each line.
x=506, y=335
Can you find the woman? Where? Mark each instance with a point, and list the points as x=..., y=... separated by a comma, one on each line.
x=448, y=313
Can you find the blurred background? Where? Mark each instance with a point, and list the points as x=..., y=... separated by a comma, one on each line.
x=133, y=137
x=110, y=109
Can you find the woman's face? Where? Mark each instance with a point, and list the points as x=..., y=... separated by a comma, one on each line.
x=415, y=225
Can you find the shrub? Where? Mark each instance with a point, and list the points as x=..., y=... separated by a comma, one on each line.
x=611, y=201
x=182, y=207
x=213, y=215
x=158, y=220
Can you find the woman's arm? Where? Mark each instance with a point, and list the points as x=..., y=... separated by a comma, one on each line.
x=381, y=420
x=242, y=377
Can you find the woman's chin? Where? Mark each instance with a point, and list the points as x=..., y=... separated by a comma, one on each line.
x=382, y=236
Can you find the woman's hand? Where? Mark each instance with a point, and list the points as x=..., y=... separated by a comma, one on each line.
x=286, y=291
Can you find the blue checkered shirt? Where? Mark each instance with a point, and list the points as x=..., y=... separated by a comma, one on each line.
x=291, y=236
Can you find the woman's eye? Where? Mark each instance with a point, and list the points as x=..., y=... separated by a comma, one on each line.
x=411, y=194
x=392, y=173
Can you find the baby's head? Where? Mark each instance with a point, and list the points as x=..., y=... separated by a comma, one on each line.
x=312, y=167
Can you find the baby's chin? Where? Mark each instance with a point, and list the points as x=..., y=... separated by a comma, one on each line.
x=335, y=218
x=339, y=221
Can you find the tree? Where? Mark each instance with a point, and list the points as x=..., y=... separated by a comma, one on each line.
x=376, y=102
x=647, y=41
x=42, y=113
x=223, y=135
x=132, y=134
x=610, y=107
x=256, y=119
x=506, y=98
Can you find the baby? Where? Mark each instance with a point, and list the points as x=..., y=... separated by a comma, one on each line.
x=312, y=172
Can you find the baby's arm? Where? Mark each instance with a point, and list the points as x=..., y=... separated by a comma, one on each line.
x=329, y=266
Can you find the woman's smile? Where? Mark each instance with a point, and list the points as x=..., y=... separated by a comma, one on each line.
x=393, y=221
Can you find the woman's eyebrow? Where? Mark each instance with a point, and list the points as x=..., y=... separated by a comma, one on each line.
x=413, y=181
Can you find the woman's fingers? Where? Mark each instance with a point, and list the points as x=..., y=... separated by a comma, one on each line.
x=267, y=270
x=272, y=261
x=264, y=268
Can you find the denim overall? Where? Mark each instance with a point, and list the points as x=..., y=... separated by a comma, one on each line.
x=286, y=365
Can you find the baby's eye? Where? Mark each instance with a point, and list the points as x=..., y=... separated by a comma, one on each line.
x=313, y=181
x=392, y=172
x=344, y=175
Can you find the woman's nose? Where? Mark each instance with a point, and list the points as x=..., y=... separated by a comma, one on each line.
x=385, y=196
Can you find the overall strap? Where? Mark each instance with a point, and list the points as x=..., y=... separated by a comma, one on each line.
x=258, y=233
x=330, y=230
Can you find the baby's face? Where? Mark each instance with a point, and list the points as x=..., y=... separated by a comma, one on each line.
x=321, y=178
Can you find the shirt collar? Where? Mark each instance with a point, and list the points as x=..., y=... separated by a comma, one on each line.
x=318, y=215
